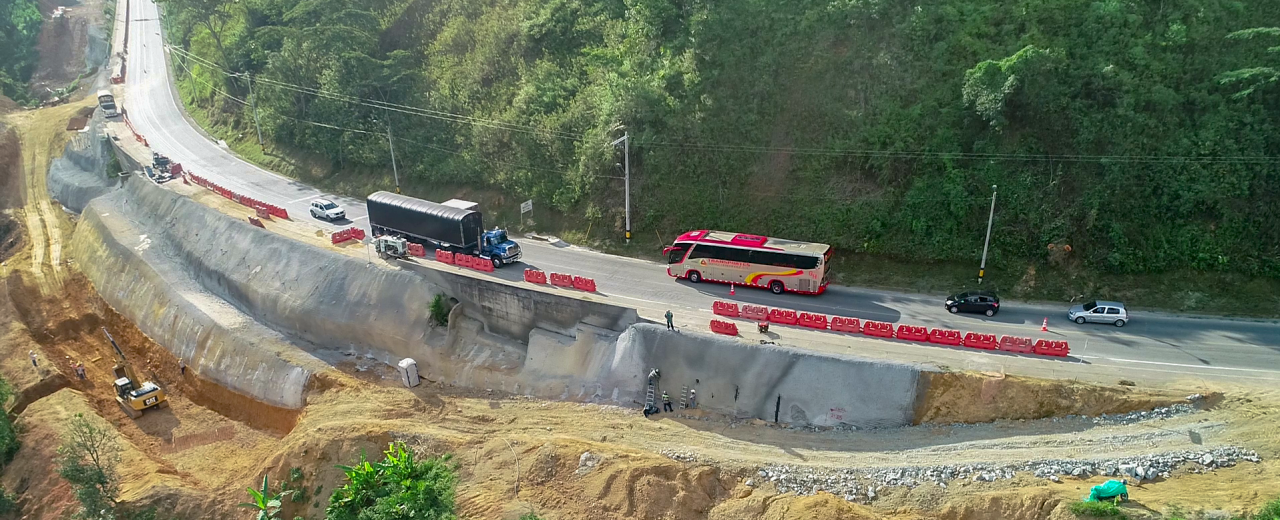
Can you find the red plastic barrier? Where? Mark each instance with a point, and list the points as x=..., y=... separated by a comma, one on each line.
x=755, y=312
x=533, y=276
x=584, y=284
x=1015, y=344
x=462, y=260
x=341, y=236
x=878, y=329
x=783, y=316
x=813, y=321
x=724, y=327
x=261, y=212
x=1045, y=347
x=725, y=309
x=913, y=333
x=982, y=341
x=417, y=250
x=358, y=233
x=482, y=264
x=945, y=337
x=175, y=169
x=256, y=222
x=843, y=324
x=561, y=280
x=444, y=256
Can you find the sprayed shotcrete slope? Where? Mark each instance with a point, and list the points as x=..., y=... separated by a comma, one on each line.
x=260, y=313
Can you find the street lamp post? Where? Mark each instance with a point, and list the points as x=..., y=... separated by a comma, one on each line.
x=626, y=176
x=391, y=144
x=990, y=217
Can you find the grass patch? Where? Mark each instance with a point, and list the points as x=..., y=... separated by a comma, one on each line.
x=1102, y=509
x=439, y=310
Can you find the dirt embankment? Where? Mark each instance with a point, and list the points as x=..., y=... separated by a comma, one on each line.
x=968, y=397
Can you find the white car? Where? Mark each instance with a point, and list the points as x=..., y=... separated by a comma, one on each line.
x=327, y=210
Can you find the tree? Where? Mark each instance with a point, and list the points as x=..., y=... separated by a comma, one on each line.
x=214, y=15
x=1253, y=78
x=396, y=488
x=87, y=459
x=8, y=437
x=268, y=505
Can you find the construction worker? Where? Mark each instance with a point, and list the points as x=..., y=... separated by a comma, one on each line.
x=653, y=376
x=34, y=363
x=182, y=367
x=666, y=401
x=693, y=398
x=670, y=326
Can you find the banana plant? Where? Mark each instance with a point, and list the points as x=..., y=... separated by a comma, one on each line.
x=266, y=503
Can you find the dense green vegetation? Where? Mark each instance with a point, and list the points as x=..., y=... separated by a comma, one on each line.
x=396, y=488
x=20, y=23
x=1122, y=128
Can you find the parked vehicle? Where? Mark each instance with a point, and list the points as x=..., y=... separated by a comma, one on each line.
x=982, y=302
x=454, y=226
x=107, y=103
x=1099, y=311
x=389, y=246
x=327, y=210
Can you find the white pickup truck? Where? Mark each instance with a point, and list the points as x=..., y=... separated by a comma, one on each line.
x=107, y=103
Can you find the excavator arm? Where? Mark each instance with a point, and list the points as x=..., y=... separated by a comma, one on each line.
x=121, y=360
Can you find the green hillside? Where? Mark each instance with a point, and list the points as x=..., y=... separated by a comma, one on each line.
x=1136, y=132
x=19, y=28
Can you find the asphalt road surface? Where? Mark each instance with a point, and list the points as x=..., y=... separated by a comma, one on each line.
x=1176, y=345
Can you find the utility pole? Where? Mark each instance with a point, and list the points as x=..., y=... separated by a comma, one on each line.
x=990, y=217
x=626, y=175
x=392, y=145
x=253, y=104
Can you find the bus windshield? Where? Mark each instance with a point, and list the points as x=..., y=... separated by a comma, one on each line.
x=675, y=254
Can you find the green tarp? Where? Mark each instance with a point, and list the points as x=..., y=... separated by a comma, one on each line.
x=1107, y=490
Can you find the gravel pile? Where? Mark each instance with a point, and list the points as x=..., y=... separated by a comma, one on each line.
x=861, y=485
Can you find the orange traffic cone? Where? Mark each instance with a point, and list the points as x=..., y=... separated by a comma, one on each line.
x=1044, y=327
x=731, y=293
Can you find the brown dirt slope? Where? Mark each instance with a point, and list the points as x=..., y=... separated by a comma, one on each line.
x=968, y=397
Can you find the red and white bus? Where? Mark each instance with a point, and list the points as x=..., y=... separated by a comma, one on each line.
x=771, y=263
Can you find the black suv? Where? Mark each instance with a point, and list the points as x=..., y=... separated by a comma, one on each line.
x=985, y=302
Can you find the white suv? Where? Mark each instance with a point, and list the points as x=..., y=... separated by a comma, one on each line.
x=1099, y=311
x=324, y=209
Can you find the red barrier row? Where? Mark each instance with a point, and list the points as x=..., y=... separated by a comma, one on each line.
x=945, y=337
x=561, y=280
x=724, y=327
x=534, y=276
x=913, y=333
x=352, y=233
x=124, y=114
x=878, y=329
x=583, y=283
x=783, y=316
x=473, y=262
x=444, y=256
x=272, y=210
x=755, y=312
x=980, y=341
x=843, y=324
x=1016, y=344
x=725, y=309
x=813, y=321
x=1046, y=347
x=417, y=250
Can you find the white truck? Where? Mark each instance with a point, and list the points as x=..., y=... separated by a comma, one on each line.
x=107, y=103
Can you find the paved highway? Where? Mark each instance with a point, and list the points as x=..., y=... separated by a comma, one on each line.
x=1152, y=342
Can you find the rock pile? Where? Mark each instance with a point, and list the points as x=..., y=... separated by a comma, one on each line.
x=861, y=485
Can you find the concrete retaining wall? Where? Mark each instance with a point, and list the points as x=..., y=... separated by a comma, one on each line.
x=79, y=176
x=249, y=308
x=134, y=273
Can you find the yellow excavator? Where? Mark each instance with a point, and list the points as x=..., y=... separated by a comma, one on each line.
x=134, y=398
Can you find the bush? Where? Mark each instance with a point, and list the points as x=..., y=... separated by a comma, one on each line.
x=397, y=487
x=440, y=310
x=1102, y=509
x=8, y=437
x=87, y=460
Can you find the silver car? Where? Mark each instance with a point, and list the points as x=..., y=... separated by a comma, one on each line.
x=1099, y=311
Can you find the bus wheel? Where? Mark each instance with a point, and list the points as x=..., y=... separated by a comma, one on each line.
x=776, y=287
x=695, y=276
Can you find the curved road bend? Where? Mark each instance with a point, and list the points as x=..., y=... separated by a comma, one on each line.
x=1160, y=345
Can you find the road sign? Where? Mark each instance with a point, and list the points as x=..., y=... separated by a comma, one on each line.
x=526, y=206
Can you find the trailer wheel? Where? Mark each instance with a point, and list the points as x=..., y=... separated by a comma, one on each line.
x=497, y=262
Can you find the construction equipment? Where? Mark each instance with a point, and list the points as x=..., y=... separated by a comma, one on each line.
x=133, y=398
x=389, y=246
